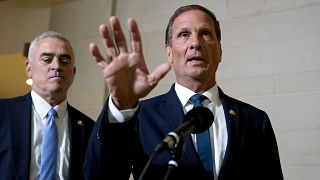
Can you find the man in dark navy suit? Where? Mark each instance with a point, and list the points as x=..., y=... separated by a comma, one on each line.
x=128, y=130
x=51, y=67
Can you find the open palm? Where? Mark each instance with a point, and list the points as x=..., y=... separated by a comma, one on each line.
x=126, y=73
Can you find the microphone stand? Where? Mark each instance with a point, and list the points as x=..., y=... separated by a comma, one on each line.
x=176, y=154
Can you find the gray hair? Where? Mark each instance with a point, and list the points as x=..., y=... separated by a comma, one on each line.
x=47, y=34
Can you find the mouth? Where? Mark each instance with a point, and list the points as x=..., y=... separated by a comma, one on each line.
x=56, y=77
x=195, y=59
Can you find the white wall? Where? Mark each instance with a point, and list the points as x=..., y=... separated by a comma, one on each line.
x=79, y=22
x=20, y=24
x=271, y=55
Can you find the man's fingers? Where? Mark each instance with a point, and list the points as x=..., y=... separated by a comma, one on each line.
x=97, y=55
x=119, y=37
x=135, y=38
x=158, y=74
x=109, y=46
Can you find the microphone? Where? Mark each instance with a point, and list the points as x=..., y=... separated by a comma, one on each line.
x=196, y=121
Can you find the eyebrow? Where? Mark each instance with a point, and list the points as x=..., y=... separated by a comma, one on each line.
x=46, y=54
x=65, y=56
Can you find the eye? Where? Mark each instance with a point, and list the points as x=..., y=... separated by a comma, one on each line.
x=46, y=59
x=65, y=59
x=184, y=34
x=206, y=33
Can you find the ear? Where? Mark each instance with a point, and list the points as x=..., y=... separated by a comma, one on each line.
x=220, y=52
x=169, y=53
x=28, y=69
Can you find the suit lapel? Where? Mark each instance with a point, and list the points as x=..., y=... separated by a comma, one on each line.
x=175, y=116
x=78, y=142
x=76, y=125
x=74, y=147
x=173, y=109
x=232, y=117
x=21, y=139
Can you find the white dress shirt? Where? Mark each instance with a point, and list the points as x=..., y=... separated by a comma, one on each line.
x=40, y=108
x=218, y=129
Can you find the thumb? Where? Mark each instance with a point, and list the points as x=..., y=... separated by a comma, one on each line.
x=158, y=74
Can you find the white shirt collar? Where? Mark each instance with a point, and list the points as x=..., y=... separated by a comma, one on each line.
x=43, y=107
x=184, y=94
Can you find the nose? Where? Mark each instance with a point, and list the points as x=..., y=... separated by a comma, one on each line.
x=55, y=63
x=195, y=43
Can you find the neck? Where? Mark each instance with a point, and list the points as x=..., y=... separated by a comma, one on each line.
x=53, y=98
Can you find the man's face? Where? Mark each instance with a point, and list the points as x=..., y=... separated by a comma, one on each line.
x=195, y=52
x=51, y=68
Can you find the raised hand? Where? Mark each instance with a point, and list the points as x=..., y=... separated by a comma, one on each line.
x=126, y=73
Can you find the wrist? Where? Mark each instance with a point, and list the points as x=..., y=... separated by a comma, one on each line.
x=124, y=103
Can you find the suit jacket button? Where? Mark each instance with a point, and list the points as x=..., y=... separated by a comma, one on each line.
x=99, y=134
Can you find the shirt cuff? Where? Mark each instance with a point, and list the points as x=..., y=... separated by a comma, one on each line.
x=119, y=116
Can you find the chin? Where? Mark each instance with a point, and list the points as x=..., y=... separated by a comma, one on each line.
x=198, y=73
x=57, y=88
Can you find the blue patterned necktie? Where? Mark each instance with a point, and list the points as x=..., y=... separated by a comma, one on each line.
x=48, y=169
x=203, y=139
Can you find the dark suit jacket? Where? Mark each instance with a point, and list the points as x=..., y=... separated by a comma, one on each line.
x=15, y=138
x=251, y=152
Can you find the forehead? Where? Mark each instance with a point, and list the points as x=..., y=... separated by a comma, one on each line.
x=193, y=18
x=53, y=45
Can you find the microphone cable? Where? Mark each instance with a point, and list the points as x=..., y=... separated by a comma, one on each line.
x=147, y=165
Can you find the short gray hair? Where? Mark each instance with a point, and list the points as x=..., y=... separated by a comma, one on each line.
x=47, y=34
